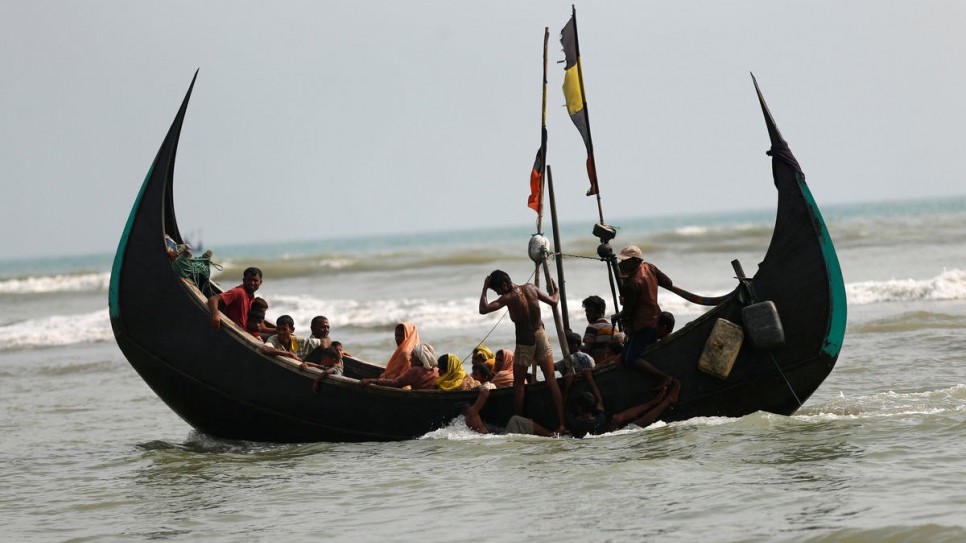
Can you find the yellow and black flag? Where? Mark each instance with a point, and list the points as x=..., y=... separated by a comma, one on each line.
x=573, y=89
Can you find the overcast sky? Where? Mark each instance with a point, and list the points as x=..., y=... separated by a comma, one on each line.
x=321, y=119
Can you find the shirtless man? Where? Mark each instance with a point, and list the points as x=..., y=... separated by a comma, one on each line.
x=532, y=344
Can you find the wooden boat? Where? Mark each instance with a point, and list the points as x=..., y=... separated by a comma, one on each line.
x=221, y=384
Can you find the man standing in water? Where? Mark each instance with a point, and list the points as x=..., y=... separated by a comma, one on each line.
x=532, y=345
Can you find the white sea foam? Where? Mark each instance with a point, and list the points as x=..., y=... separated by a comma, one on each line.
x=91, y=282
x=887, y=405
x=949, y=285
x=703, y=421
x=57, y=330
x=457, y=430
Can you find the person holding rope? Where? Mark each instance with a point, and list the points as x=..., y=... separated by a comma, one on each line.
x=532, y=345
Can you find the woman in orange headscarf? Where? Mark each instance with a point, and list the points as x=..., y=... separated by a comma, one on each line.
x=406, y=339
x=503, y=370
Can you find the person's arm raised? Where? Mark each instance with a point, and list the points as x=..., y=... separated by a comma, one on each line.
x=489, y=307
x=550, y=299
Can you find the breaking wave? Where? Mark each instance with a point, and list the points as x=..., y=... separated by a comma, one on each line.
x=83, y=282
x=57, y=330
x=430, y=313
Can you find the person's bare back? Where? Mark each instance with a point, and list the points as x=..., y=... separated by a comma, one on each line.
x=524, y=305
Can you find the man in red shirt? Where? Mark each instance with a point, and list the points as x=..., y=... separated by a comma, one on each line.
x=236, y=302
x=639, y=298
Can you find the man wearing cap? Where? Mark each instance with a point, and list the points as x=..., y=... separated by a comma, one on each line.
x=639, y=298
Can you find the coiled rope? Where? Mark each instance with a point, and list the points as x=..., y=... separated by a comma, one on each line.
x=196, y=269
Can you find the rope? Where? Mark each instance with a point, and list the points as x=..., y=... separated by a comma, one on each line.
x=196, y=269
x=780, y=372
x=749, y=292
x=577, y=256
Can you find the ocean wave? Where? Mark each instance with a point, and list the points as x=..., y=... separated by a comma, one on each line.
x=322, y=265
x=83, y=282
x=57, y=330
x=440, y=314
x=910, y=321
x=949, y=285
x=470, y=249
x=886, y=405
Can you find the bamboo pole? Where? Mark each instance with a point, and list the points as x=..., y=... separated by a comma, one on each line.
x=561, y=283
x=558, y=323
x=543, y=148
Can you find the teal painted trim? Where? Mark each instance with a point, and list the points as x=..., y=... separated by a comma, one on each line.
x=113, y=301
x=838, y=302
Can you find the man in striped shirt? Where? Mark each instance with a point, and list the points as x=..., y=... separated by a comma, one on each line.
x=599, y=331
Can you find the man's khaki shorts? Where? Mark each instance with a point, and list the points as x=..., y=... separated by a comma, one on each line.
x=524, y=355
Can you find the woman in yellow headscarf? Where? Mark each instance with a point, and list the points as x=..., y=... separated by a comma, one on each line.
x=503, y=372
x=452, y=375
x=483, y=355
x=406, y=339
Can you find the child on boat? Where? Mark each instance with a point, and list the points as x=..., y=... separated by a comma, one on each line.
x=331, y=365
x=254, y=327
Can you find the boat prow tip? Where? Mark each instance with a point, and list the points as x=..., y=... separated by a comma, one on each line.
x=773, y=132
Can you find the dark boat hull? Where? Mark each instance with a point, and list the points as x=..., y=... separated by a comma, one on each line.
x=220, y=384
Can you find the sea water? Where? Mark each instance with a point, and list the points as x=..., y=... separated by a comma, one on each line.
x=89, y=453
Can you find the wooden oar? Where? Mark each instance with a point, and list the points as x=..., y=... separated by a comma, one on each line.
x=700, y=300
